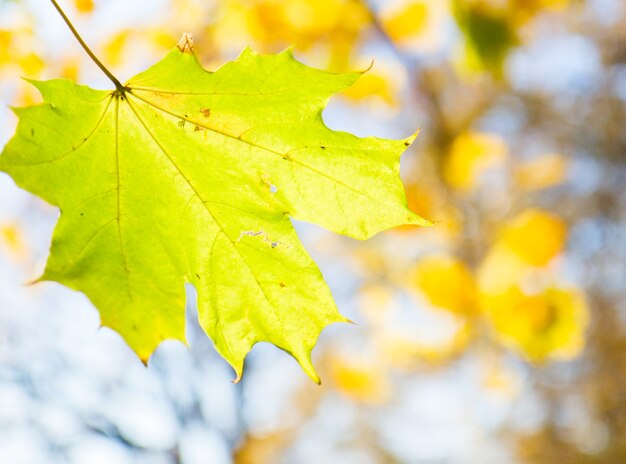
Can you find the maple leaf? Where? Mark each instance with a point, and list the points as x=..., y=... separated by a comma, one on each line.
x=184, y=175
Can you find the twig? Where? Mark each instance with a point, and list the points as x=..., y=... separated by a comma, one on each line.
x=118, y=85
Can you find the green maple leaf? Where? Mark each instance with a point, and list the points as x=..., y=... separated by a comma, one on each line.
x=190, y=176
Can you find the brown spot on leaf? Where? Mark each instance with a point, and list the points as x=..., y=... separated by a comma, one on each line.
x=206, y=112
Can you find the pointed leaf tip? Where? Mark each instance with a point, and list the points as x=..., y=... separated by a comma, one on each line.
x=369, y=67
x=409, y=140
x=288, y=52
x=185, y=44
x=304, y=359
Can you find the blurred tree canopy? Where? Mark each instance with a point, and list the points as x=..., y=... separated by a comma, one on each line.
x=520, y=162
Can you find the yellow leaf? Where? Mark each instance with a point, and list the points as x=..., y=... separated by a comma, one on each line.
x=407, y=22
x=471, y=154
x=429, y=200
x=447, y=283
x=70, y=68
x=501, y=269
x=6, y=37
x=327, y=28
x=84, y=6
x=362, y=380
x=535, y=236
x=543, y=172
x=114, y=48
x=548, y=324
x=31, y=64
x=161, y=39
x=373, y=85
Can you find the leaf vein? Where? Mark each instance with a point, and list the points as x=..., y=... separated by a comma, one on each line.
x=260, y=147
x=215, y=220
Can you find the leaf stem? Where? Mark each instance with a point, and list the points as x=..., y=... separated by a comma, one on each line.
x=118, y=85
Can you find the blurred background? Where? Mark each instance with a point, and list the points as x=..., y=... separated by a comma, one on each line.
x=497, y=336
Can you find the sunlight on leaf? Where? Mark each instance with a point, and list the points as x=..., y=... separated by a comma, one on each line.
x=192, y=176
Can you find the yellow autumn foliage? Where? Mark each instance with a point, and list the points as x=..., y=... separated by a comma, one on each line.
x=549, y=324
x=501, y=269
x=31, y=64
x=84, y=6
x=5, y=43
x=333, y=25
x=114, y=47
x=535, y=236
x=18, y=48
x=362, y=380
x=447, y=283
x=406, y=22
x=471, y=154
x=517, y=293
x=372, y=84
x=70, y=68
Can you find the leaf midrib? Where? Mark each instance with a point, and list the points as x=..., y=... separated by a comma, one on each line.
x=252, y=144
x=213, y=217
